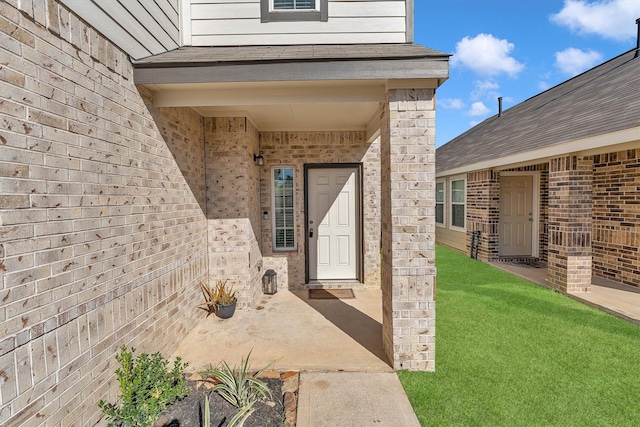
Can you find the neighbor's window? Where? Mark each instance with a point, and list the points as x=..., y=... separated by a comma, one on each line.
x=294, y=10
x=458, y=203
x=440, y=203
x=283, y=209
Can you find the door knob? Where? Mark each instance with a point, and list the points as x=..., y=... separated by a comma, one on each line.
x=311, y=232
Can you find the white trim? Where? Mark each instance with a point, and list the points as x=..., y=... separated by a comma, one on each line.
x=273, y=208
x=450, y=220
x=443, y=224
x=541, y=155
x=185, y=22
x=535, y=207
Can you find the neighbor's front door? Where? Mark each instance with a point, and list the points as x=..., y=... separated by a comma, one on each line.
x=332, y=223
x=516, y=215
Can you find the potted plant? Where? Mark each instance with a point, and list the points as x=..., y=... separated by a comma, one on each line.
x=220, y=299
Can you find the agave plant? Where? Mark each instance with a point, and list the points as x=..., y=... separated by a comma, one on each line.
x=239, y=387
x=219, y=294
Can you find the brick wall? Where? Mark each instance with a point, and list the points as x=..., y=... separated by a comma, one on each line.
x=101, y=212
x=233, y=206
x=295, y=149
x=483, y=212
x=616, y=211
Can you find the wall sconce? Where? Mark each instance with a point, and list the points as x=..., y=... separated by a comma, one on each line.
x=258, y=159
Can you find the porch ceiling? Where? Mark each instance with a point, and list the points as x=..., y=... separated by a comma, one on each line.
x=324, y=105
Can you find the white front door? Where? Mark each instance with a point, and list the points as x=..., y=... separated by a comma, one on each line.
x=332, y=223
x=516, y=215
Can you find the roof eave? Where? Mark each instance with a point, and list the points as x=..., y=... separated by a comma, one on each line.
x=586, y=146
x=414, y=68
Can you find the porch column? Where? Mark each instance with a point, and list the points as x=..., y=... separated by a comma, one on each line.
x=483, y=212
x=570, y=222
x=408, y=228
x=233, y=206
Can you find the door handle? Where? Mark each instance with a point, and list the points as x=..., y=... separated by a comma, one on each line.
x=311, y=232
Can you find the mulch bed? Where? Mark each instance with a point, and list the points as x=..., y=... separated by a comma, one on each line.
x=281, y=411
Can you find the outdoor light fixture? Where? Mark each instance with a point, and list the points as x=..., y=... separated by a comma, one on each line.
x=258, y=159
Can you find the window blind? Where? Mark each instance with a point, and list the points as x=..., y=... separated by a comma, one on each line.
x=293, y=4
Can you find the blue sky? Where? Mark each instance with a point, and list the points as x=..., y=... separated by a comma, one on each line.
x=516, y=49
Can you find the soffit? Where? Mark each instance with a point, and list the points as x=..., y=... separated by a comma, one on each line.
x=294, y=106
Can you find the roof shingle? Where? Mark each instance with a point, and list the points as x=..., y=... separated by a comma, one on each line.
x=599, y=101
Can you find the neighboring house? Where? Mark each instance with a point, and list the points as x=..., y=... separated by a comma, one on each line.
x=146, y=146
x=554, y=178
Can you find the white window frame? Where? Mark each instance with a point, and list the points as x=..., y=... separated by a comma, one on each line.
x=444, y=202
x=462, y=178
x=273, y=207
x=269, y=14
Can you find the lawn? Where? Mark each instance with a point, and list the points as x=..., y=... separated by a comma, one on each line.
x=510, y=353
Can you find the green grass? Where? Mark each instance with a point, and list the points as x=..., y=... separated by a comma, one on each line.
x=509, y=353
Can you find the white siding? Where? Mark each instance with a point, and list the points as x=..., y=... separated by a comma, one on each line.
x=139, y=27
x=237, y=22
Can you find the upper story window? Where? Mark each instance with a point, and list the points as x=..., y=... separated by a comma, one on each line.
x=294, y=4
x=294, y=10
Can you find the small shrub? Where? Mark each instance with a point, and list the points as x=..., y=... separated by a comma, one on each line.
x=147, y=386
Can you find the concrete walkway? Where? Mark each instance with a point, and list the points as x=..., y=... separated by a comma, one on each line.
x=353, y=399
x=336, y=345
x=612, y=297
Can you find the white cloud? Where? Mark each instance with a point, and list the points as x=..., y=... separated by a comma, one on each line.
x=613, y=19
x=543, y=85
x=574, y=61
x=486, y=55
x=485, y=89
x=450, y=103
x=478, y=109
x=472, y=123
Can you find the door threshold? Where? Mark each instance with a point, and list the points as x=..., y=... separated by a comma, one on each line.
x=334, y=283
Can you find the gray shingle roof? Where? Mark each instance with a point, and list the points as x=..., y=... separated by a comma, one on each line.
x=599, y=101
x=196, y=56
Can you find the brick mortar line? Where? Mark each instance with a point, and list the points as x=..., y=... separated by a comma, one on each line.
x=55, y=322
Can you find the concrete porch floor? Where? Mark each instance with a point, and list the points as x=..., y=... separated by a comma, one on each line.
x=345, y=379
x=299, y=333
x=612, y=297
